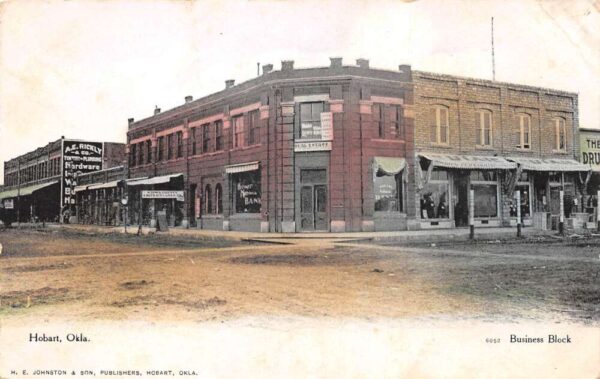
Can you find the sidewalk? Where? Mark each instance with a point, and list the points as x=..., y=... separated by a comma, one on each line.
x=459, y=234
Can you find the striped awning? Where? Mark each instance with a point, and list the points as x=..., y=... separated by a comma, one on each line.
x=243, y=167
x=469, y=162
x=549, y=164
x=388, y=165
x=150, y=181
x=25, y=191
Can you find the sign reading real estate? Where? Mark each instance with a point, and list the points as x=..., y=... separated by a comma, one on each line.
x=177, y=195
x=590, y=148
x=312, y=146
x=78, y=158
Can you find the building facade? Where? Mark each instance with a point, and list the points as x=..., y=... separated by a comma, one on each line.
x=352, y=148
x=39, y=185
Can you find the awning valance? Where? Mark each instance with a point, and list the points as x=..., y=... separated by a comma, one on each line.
x=243, y=167
x=151, y=181
x=549, y=164
x=469, y=162
x=80, y=188
x=25, y=191
x=389, y=166
x=95, y=186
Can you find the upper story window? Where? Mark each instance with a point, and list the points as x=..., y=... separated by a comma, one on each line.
x=194, y=141
x=253, y=128
x=396, y=125
x=439, y=132
x=169, y=146
x=161, y=148
x=133, y=155
x=149, y=151
x=205, y=138
x=560, y=134
x=219, y=135
x=310, y=120
x=141, y=153
x=378, y=119
x=179, y=144
x=524, y=131
x=238, y=131
x=483, y=125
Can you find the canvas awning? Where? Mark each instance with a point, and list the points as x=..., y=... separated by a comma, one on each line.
x=25, y=191
x=95, y=186
x=156, y=180
x=389, y=166
x=469, y=162
x=549, y=164
x=243, y=167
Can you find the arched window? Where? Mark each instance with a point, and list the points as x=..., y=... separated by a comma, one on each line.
x=207, y=200
x=219, y=198
x=524, y=131
x=439, y=125
x=560, y=134
x=483, y=123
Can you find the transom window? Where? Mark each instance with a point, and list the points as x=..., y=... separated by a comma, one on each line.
x=439, y=125
x=560, y=134
x=483, y=123
x=524, y=131
x=310, y=120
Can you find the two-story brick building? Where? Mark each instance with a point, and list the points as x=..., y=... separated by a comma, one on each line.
x=493, y=138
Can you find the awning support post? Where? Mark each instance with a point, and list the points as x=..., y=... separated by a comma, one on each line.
x=561, y=221
x=471, y=214
x=518, y=200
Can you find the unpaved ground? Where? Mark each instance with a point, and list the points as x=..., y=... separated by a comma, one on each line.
x=53, y=275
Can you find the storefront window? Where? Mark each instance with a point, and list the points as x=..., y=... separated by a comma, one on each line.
x=434, y=198
x=485, y=190
x=219, y=198
x=208, y=209
x=388, y=192
x=247, y=191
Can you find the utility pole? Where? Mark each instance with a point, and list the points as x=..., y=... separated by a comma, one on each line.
x=493, y=54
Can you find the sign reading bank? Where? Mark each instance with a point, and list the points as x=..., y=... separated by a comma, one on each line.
x=78, y=158
x=590, y=148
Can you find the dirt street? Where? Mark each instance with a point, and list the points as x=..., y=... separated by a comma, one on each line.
x=68, y=276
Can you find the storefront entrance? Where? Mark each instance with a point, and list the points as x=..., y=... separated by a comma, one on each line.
x=313, y=200
x=461, y=205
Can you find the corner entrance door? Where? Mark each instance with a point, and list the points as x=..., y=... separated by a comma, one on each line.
x=313, y=207
x=313, y=201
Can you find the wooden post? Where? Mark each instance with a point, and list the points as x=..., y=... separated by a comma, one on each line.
x=471, y=214
x=518, y=199
x=561, y=220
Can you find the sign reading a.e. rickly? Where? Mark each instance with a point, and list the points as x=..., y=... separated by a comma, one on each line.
x=78, y=158
x=590, y=148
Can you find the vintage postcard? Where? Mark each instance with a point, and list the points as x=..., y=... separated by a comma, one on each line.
x=286, y=189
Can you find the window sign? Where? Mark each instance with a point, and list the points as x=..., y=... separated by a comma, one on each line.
x=247, y=191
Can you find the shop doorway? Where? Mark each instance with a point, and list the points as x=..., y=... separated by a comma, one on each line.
x=313, y=200
x=461, y=206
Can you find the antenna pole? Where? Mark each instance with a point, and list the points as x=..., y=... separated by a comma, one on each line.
x=493, y=55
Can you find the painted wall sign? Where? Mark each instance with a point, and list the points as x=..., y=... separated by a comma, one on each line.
x=312, y=146
x=590, y=148
x=78, y=158
x=327, y=126
x=156, y=194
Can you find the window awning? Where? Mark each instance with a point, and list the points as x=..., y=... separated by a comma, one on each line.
x=155, y=180
x=243, y=167
x=549, y=164
x=110, y=184
x=389, y=166
x=469, y=162
x=25, y=191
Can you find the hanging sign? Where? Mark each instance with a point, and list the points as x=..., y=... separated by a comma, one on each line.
x=154, y=194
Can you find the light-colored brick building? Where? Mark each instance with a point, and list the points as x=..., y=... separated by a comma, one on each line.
x=494, y=138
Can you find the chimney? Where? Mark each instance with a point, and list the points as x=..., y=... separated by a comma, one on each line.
x=267, y=68
x=130, y=121
x=362, y=63
x=188, y=99
x=229, y=83
x=287, y=65
x=404, y=68
x=156, y=110
x=335, y=62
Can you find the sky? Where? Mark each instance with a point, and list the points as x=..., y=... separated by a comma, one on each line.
x=81, y=69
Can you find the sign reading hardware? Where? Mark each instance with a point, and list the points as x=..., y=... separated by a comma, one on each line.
x=78, y=158
x=312, y=146
x=178, y=195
